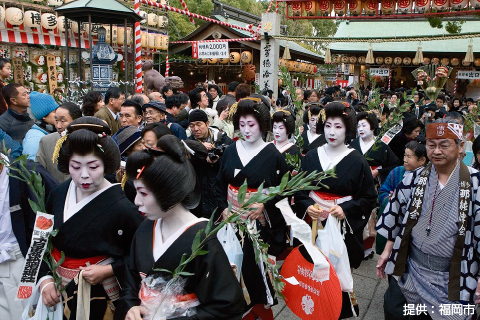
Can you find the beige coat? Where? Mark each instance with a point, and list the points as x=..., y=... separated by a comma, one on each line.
x=45, y=153
x=105, y=115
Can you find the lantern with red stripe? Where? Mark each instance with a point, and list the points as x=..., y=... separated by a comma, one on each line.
x=440, y=5
x=310, y=299
x=370, y=6
x=422, y=6
x=340, y=7
x=14, y=16
x=32, y=19
x=309, y=7
x=405, y=6
x=49, y=21
x=355, y=7
x=388, y=6
x=458, y=4
x=324, y=6
x=296, y=8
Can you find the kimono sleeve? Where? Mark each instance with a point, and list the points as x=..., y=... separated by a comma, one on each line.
x=216, y=287
x=302, y=199
x=391, y=161
x=222, y=184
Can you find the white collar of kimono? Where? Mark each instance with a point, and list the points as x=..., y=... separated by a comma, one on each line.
x=71, y=205
x=366, y=146
x=328, y=163
x=311, y=136
x=7, y=238
x=159, y=247
x=283, y=148
x=244, y=155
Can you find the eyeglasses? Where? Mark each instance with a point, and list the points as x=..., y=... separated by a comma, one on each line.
x=121, y=99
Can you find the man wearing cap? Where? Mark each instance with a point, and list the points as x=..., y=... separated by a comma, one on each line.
x=432, y=224
x=207, y=170
x=156, y=111
x=114, y=98
x=129, y=140
x=43, y=110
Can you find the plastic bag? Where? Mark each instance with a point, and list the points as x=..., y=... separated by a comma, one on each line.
x=166, y=298
x=330, y=241
x=229, y=241
x=36, y=310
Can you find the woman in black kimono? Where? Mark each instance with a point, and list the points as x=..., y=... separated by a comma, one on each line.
x=312, y=138
x=96, y=222
x=382, y=160
x=258, y=162
x=283, y=126
x=350, y=196
x=166, y=191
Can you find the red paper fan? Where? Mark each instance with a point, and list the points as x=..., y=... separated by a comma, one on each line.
x=310, y=300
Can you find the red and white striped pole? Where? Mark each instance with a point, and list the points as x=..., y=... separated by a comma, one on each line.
x=138, y=52
x=167, y=67
x=269, y=6
x=455, y=86
x=186, y=10
x=276, y=6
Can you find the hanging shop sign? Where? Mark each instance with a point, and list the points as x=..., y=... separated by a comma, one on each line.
x=381, y=72
x=207, y=50
x=52, y=72
x=470, y=75
x=17, y=70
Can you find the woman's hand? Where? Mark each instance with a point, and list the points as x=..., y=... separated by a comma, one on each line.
x=136, y=313
x=337, y=212
x=50, y=295
x=375, y=173
x=223, y=115
x=316, y=213
x=382, y=260
x=96, y=273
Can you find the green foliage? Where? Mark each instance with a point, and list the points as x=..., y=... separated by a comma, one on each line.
x=471, y=118
x=450, y=26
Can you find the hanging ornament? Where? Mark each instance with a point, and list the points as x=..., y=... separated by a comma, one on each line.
x=419, y=55
x=388, y=6
x=328, y=55
x=477, y=62
x=435, y=61
x=325, y=7
x=407, y=61
x=455, y=62
x=286, y=53
x=246, y=57
x=422, y=6
x=370, y=59
x=296, y=8
x=162, y=22
x=445, y=62
x=212, y=60
x=14, y=16
x=397, y=61
x=345, y=59
x=440, y=5
x=405, y=6
x=144, y=16
x=379, y=60
x=353, y=60
x=309, y=7
x=223, y=60
x=49, y=21
x=234, y=57
x=370, y=7
x=355, y=7
x=469, y=56
x=152, y=19
x=340, y=7
x=361, y=60
x=249, y=72
x=32, y=19
x=426, y=61
x=388, y=60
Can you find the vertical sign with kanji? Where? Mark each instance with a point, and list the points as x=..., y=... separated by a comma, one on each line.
x=269, y=52
x=17, y=70
x=52, y=72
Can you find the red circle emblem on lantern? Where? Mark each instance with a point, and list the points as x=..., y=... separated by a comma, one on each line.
x=339, y=5
x=308, y=5
x=404, y=4
x=297, y=5
x=387, y=4
x=440, y=2
x=422, y=3
x=372, y=4
x=352, y=4
x=324, y=5
x=310, y=299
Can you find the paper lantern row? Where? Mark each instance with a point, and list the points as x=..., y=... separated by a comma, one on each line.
x=401, y=61
x=297, y=66
x=154, y=20
x=371, y=7
x=30, y=18
x=234, y=57
x=154, y=41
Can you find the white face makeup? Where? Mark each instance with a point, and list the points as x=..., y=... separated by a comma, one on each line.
x=279, y=132
x=335, y=132
x=313, y=124
x=250, y=128
x=146, y=202
x=363, y=129
x=87, y=173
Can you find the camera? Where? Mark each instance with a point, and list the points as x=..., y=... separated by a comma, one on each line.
x=216, y=152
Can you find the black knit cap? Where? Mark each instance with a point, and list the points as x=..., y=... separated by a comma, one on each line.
x=197, y=115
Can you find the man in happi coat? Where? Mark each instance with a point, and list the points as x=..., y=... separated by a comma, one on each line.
x=432, y=224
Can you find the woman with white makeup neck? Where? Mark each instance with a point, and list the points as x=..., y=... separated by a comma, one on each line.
x=258, y=162
x=283, y=126
x=312, y=138
x=350, y=196
x=167, y=189
x=382, y=160
x=96, y=222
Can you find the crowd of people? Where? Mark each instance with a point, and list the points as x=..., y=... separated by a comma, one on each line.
x=131, y=179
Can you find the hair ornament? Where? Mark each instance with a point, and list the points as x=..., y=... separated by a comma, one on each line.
x=124, y=180
x=100, y=147
x=345, y=114
x=102, y=135
x=322, y=115
x=188, y=149
x=58, y=146
x=140, y=172
x=232, y=110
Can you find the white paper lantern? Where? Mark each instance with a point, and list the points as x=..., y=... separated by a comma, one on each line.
x=458, y=4
x=159, y=42
x=32, y=19
x=61, y=24
x=152, y=19
x=340, y=7
x=144, y=38
x=388, y=6
x=49, y=21
x=2, y=14
x=143, y=14
x=422, y=6
x=440, y=5
x=151, y=41
x=120, y=36
x=370, y=6
x=475, y=4
x=14, y=16
x=129, y=36
x=162, y=22
x=405, y=6
x=55, y=3
x=325, y=7
x=355, y=7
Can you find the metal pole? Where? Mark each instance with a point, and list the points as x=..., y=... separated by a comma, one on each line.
x=125, y=45
x=80, y=52
x=67, y=57
x=90, y=44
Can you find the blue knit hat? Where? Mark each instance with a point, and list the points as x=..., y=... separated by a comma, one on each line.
x=42, y=104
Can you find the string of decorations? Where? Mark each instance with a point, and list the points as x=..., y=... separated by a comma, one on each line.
x=468, y=35
x=218, y=40
x=78, y=83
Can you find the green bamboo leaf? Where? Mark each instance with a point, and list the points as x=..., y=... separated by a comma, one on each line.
x=54, y=232
x=242, y=191
x=35, y=207
x=162, y=270
x=196, y=240
x=62, y=259
x=201, y=252
x=208, y=228
x=184, y=273
x=284, y=181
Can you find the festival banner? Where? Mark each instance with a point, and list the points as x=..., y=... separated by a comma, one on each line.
x=381, y=72
x=34, y=257
x=52, y=72
x=470, y=75
x=211, y=50
x=17, y=70
x=392, y=132
x=195, y=50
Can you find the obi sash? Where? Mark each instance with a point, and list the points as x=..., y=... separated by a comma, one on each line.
x=70, y=268
x=232, y=197
x=375, y=167
x=326, y=201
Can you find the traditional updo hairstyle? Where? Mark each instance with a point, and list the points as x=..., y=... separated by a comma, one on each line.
x=314, y=109
x=339, y=110
x=287, y=118
x=254, y=107
x=167, y=173
x=84, y=136
x=371, y=119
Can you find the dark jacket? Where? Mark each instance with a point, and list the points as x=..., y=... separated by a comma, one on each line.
x=16, y=125
x=22, y=215
x=3, y=104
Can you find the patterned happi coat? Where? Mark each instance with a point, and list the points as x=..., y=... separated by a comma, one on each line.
x=391, y=225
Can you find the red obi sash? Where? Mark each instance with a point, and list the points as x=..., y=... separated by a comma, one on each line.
x=232, y=196
x=72, y=263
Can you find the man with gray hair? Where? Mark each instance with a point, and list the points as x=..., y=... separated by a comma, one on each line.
x=432, y=224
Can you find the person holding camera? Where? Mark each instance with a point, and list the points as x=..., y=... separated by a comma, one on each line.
x=216, y=142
